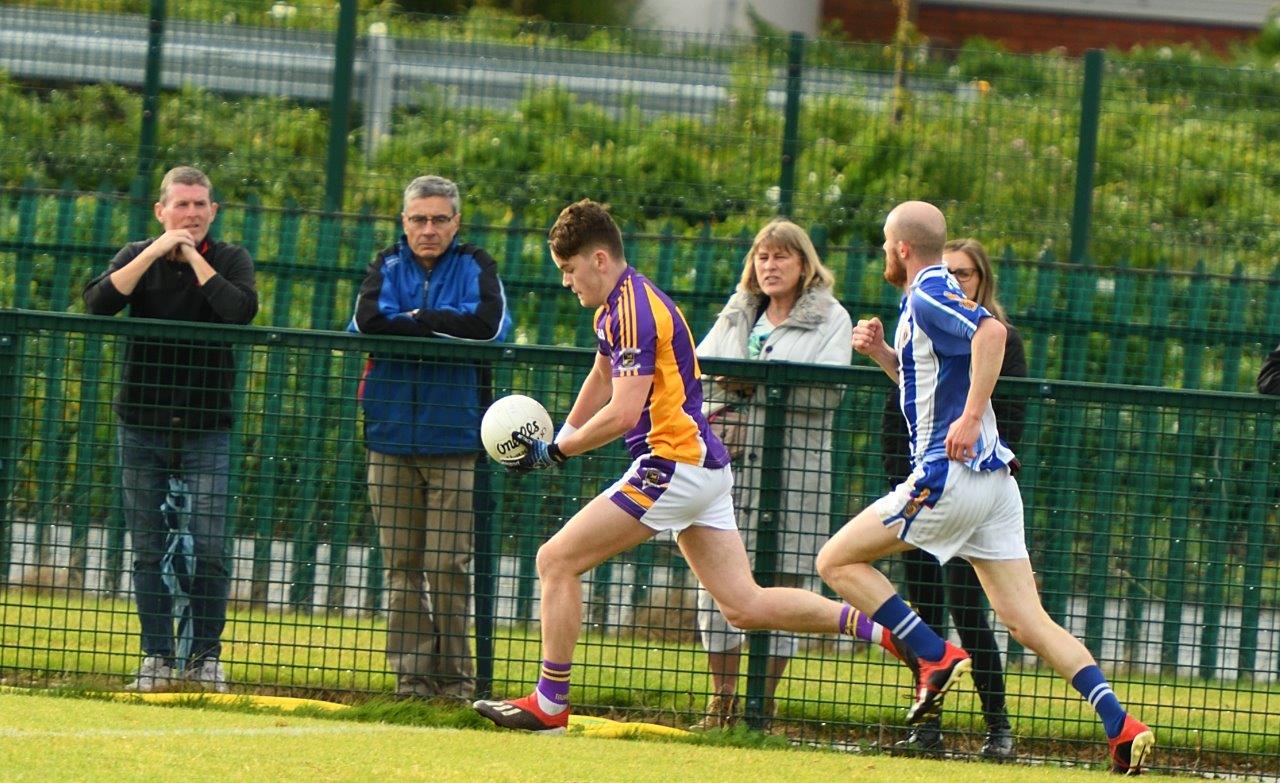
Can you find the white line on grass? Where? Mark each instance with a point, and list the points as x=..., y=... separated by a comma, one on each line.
x=10, y=733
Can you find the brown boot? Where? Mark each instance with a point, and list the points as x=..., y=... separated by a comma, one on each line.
x=722, y=713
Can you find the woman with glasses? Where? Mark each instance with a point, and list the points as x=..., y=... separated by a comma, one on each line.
x=932, y=587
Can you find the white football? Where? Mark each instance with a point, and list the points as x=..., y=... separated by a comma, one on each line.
x=513, y=413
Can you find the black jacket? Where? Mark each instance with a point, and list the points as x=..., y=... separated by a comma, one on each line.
x=1010, y=415
x=186, y=382
x=1269, y=377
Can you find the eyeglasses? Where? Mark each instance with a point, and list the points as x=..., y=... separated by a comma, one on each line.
x=439, y=221
x=963, y=274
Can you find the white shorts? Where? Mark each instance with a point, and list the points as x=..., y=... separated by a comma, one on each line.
x=948, y=509
x=667, y=495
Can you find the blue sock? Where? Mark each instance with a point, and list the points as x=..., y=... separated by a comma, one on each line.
x=1095, y=690
x=905, y=624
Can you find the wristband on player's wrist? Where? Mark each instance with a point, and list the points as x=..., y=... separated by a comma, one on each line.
x=566, y=430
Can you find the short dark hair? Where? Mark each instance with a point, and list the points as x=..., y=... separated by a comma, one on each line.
x=183, y=175
x=584, y=226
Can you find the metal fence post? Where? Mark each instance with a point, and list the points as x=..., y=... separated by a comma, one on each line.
x=791, y=125
x=340, y=106
x=1255, y=542
x=766, y=546
x=138, y=212
x=379, y=88
x=487, y=550
x=1087, y=154
x=9, y=412
x=23, y=269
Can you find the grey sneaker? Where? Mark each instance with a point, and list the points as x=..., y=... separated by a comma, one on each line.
x=153, y=676
x=208, y=675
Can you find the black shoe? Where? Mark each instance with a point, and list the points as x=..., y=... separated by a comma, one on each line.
x=924, y=740
x=999, y=744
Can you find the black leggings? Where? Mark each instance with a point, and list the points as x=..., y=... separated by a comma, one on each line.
x=929, y=593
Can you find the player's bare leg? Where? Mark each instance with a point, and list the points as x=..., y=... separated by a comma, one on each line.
x=596, y=533
x=845, y=561
x=719, y=560
x=1011, y=587
x=845, y=564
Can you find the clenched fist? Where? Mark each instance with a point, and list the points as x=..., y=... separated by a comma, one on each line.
x=868, y=335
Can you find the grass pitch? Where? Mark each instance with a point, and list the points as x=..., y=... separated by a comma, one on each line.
x=51, y=639
x=44, y=738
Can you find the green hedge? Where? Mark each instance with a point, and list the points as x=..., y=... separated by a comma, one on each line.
x=1188, y=154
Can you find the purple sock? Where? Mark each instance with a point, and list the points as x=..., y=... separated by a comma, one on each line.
x=553, y=684
x=856, y=624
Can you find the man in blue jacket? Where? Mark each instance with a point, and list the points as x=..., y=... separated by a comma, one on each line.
x=422, y=430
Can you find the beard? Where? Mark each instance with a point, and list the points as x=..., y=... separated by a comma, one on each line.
x=895, y=272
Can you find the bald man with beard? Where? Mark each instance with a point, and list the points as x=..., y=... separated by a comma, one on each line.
x=960, y=498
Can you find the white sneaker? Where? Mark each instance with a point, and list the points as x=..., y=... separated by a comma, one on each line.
x=153, y=676
x=208, y=675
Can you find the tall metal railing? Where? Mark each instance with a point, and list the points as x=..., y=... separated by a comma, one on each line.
x=1195, y=329
x=1151, y=516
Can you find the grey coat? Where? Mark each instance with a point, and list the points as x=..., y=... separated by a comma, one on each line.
x=818, y=331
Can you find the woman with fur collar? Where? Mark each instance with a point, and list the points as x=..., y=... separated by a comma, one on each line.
x=782, y=310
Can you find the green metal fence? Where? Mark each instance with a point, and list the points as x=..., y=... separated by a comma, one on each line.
x=1195, y=330
x=1152, y=158
x=1151, y=517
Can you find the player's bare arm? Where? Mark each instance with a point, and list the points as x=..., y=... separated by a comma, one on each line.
x=595, y=391
x=868, y=340
x=616, y=418
x=984, y=369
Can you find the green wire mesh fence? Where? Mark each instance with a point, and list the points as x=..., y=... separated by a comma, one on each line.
x=1151, y=516
x=1195, y=329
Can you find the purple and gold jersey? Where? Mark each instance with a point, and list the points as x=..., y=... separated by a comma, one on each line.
x=643, y=332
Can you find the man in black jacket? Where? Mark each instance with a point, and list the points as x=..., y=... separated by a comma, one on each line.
x=1269, y=377
x=174, y=405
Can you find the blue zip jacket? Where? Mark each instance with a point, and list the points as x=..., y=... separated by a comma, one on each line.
x=421, y=407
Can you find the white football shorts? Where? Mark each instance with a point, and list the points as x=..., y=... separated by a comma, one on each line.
x=948, y=510
x=667, y=495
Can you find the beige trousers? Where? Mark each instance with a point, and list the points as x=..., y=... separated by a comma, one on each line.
x=422, y=506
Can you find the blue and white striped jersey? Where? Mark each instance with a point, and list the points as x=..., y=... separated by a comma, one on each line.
x=933, y=343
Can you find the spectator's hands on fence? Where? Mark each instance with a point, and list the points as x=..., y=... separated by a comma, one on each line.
x=538, y=454
x=868, y=336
